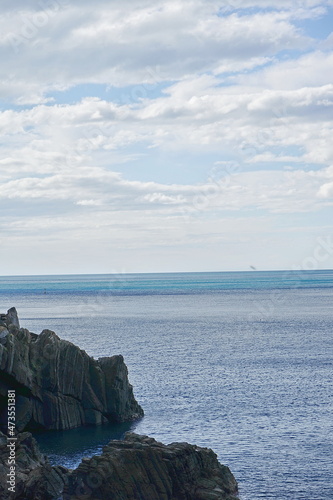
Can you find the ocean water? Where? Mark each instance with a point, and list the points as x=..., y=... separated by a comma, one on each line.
x=237, y=362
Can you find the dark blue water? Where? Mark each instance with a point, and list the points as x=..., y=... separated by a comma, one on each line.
x=239, y=362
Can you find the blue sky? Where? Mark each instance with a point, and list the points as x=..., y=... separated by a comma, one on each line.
x=165, y=136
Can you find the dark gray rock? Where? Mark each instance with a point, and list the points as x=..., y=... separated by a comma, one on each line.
x=58, y=386
x=10, y=318
x=35, y=479
x=141, y=468
x=3, y=334
x=138, y=468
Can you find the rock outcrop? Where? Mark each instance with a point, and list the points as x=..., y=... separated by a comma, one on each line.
x=141, y=468
x=10, y=318
x=138, y=468
x=32, y=476
x=57, y=385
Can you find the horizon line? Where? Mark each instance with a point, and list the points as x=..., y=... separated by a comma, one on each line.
x=166, y=272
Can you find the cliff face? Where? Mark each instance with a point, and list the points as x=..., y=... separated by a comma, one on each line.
x=57, y=385
x=137, y=468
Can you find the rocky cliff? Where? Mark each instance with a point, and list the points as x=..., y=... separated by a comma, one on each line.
x=57, y=385
x=138, y=468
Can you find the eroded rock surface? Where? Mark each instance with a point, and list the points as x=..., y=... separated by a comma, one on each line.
x=138, y=468
x=141, y=468
x=57, y=385
x=35, y=479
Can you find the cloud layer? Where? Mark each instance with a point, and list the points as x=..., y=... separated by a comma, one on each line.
x=99, y=99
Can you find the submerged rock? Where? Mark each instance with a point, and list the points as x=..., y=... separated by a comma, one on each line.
x=57, y=385
x=137, y=468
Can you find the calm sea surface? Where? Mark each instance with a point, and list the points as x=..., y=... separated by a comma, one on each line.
x=238, y=362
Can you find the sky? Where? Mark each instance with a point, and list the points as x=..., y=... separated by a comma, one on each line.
x=165, y=136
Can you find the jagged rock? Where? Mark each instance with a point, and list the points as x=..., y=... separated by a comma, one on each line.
x=45, y=483
x=138, y=468
x=58, y=386
x=3, y=334
x=34, y=478
x=11, y=318
x=141, y=468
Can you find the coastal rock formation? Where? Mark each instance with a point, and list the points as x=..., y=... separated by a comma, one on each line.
x=10, y=318
x=141, y=468
x=137, y=468
x=57, y=385
x=31, y=476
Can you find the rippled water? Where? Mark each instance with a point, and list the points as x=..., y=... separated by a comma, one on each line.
x=238, y=362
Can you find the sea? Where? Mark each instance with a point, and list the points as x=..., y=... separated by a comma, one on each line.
x=240, y=362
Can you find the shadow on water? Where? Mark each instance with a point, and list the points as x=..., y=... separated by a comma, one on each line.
x=68, y=447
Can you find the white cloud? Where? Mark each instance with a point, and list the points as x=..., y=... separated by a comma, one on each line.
x=248, y=88
x=273, y=191
x=310, y=70
x=283, y=4
x=89, y=203
x=118, y=45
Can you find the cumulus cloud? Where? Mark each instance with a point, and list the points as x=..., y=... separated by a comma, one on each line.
x=196, y=111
